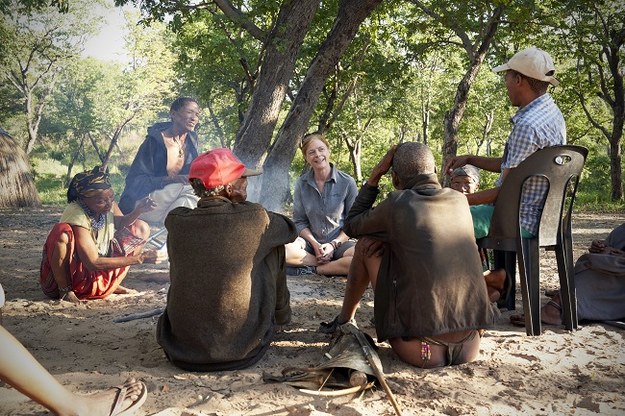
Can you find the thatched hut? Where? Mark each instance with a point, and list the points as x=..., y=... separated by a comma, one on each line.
x=17, y=188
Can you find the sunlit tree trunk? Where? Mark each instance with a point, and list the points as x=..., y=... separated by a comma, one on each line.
x=275, y=180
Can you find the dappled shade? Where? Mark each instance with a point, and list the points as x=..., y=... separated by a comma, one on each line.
x=16, y=180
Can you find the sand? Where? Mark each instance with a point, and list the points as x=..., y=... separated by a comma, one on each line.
x=558, y=372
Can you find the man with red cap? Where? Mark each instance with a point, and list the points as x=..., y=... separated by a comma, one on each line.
x=227, y=269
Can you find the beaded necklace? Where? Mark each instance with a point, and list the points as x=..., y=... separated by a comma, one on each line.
x=96, y=224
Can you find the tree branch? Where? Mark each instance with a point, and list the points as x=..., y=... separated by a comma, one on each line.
x=238, y=17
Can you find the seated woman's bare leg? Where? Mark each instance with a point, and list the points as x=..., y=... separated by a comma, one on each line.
x=24, y=373
x=338, y=267
x=297, y=256
x=59, y=263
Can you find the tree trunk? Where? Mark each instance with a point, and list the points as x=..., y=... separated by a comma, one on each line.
x=355, y=148
x=70, y=166
x=613, y=55
x=425, y=120
x=16, y=180
x=453, y=117
x=489, y=118
x=34, y=115
x=476, y=57
x=275, y=180
x=215, y=120
x=612, y=92
x=616, y=175
x=114, y=140
x=283, y=45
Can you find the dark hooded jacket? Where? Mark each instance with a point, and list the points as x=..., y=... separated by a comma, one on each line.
x=150, y=166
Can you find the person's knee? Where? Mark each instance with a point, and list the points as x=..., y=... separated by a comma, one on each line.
x=142, y=229
x=349, y=252
x=63, y=239
x=61, y=247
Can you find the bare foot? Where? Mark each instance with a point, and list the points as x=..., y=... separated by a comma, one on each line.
x=550, y=313
x=71, y=297
x=493, y=294
x=495, y=278
x=121, y=290
x=132, y=394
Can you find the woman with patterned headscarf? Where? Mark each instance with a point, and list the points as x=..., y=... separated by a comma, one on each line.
x=87, y=254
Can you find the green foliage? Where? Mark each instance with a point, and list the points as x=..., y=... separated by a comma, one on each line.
x=594, y=187
x=397, y=81
x=51, y=189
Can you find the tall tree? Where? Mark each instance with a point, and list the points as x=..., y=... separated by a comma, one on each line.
x=38, y=46
x=275, y=182
x=594, y=36
x=281, y=51
x=145, y=84
x=475, y=25
x=96, y=102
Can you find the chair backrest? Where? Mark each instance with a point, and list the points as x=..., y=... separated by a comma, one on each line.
x=561, y=166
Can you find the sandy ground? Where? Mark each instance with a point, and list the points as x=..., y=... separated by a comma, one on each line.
x=556, y=373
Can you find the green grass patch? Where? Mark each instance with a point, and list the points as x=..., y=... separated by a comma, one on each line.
x=52, y=191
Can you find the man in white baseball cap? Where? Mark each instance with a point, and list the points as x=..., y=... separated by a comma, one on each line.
x=537, y=124
x=532, y=62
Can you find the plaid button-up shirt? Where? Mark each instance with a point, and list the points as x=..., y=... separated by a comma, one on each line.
x=537, y=125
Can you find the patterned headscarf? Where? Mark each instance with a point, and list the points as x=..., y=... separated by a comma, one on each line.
x=85, y=183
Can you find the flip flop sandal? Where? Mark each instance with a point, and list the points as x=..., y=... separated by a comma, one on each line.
x=118, y=410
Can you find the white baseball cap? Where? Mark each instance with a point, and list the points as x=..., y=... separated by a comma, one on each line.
x=532, y=62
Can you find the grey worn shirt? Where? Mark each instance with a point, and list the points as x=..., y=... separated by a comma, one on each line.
x=324, y=214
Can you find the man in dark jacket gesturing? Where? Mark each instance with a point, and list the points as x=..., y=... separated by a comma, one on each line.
x=227, y=269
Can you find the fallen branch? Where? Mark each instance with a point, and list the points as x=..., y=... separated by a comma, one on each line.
x=139, y=315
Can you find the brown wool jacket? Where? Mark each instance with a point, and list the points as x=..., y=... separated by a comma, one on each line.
x=430, y=281
x=228, y=284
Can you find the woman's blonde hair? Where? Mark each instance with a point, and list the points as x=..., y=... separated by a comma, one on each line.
x=309, y=138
